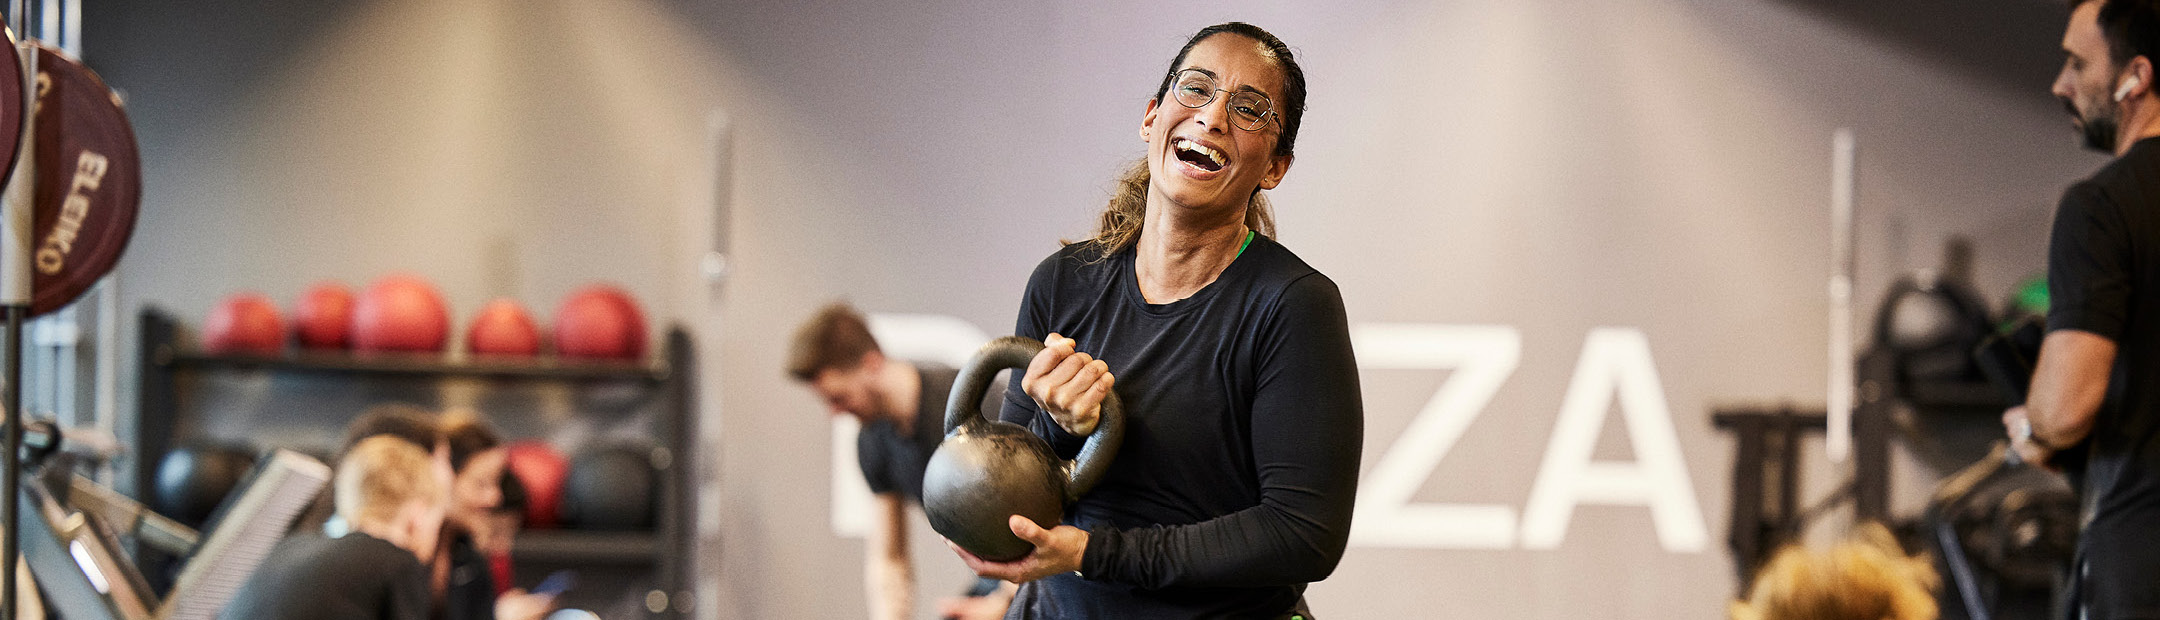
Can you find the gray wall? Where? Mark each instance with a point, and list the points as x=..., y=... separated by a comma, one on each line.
x=1658, y=165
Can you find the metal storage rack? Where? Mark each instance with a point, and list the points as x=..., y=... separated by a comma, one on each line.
x=188, y=396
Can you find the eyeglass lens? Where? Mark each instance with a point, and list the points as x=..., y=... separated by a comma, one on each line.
x=1195, y=89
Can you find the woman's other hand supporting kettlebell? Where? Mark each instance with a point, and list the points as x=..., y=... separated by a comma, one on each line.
x=1057, y=550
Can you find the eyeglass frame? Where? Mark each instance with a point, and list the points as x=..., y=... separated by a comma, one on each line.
x=1212, y=80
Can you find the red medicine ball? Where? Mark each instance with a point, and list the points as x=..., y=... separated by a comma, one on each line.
x=400, y=312
x=542, y=471
x=244, y=323
x=600, y=321
x=503, y=328
x=323, y=318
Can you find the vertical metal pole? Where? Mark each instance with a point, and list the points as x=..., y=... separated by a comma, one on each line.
x=49, y=22
x=1871, y=438
x=105, y=404
x=71, y=26
x=11, y=398
x=1749, y=465
x=15, y=291
x=1840, y=406
x=1788, y=455
x=702, y=406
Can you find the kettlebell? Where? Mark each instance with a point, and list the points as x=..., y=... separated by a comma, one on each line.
x=987, y=470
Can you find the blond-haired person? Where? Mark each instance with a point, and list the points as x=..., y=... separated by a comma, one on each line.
x=1868, y=577
x=394, y=496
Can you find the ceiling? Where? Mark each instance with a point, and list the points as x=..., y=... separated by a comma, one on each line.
x=2013, y=43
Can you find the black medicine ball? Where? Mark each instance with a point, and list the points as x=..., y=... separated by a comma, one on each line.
x=612, y=488
x=193, y=480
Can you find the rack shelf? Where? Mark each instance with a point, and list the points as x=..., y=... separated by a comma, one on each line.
x=424, y=365
x=575, y=547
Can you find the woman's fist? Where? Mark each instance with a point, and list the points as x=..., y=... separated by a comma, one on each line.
x=1068, y=384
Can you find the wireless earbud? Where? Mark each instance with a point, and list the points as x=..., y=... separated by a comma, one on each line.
x=2124, y=91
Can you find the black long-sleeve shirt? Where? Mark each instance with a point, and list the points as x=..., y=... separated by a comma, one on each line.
x=1233, y=488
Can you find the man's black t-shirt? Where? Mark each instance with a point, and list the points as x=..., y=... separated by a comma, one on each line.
x=2104, y=278
x=892, y=462
x=351, y=577
x=1233, y=488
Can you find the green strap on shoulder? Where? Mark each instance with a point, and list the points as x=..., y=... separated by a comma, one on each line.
x=1248, y=243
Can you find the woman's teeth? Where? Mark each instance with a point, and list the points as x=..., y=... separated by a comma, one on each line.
x=1213, y=156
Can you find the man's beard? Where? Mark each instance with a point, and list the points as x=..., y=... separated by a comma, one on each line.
x=2098, y=129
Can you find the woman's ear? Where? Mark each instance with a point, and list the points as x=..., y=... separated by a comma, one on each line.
x=1277, y=167
x=1147, y=122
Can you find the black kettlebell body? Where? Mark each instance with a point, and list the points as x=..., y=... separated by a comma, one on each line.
x=987, y=470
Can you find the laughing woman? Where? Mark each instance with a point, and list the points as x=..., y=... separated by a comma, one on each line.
x=1234, y=485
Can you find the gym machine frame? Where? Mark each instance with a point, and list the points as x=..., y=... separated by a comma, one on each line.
x=166, y=367
x=1768, y=452
x=1768, y=457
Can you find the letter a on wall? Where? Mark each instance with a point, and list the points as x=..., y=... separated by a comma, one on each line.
x=1615, y=362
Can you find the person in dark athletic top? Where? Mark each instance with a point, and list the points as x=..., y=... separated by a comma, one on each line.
x=1234, y=485
x=901, y=406
x=2094, y=406
x=394, y=497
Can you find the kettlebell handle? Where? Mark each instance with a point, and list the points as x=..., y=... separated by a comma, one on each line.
x=1014, y=352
